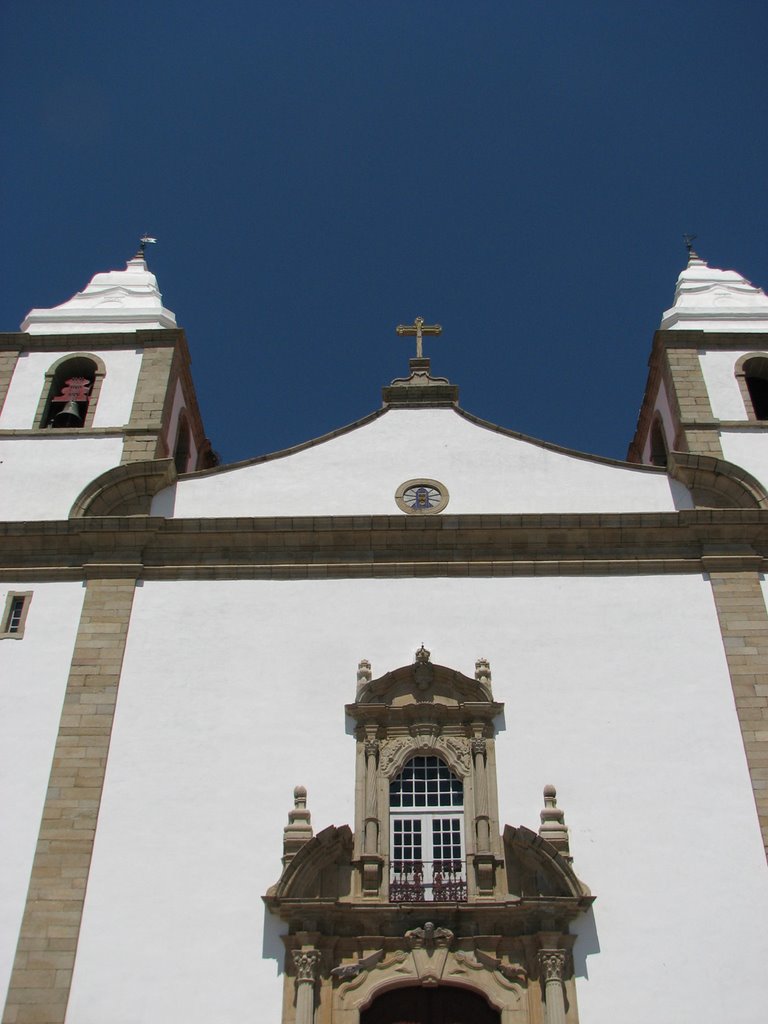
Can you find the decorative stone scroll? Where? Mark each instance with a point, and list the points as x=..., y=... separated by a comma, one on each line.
x=429, y=937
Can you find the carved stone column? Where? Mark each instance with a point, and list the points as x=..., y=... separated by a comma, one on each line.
x=371, y=860
x=306, y=962
x=371, y=810
x=485, y=861
x=552, y=970
x=483, y=829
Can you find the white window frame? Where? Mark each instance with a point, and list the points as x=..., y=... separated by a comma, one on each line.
x=426, y=815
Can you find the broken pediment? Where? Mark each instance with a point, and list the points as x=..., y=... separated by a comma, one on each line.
x=441, y=688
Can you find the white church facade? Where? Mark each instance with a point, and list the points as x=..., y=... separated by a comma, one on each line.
x=485, y=739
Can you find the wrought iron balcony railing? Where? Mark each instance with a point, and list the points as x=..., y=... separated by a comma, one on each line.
x=419, y=881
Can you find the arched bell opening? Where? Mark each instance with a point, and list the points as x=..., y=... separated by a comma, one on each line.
x=182, y=447
x=659, y=449
x=437, y=1004
x=70, y=393
x=752, y=375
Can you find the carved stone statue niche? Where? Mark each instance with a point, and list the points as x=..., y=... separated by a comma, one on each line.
x=426, y=891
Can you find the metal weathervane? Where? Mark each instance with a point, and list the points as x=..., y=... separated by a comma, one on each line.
x=144, y=241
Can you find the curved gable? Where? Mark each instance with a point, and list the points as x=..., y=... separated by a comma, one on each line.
x=482, y=468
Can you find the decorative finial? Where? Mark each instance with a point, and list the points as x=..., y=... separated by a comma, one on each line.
x=692, y=254
x=364, y=674
x=419, y=328
x=483, y=671
x=299, y=828
x=422, y=655
x=144, y=241
x=553, y=827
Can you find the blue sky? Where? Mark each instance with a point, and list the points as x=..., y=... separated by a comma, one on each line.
x=317, y=172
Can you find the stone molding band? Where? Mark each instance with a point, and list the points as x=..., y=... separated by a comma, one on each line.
x=371, y=546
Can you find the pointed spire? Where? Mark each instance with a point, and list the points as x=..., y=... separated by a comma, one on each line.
x=553, y=827
x=299, y=828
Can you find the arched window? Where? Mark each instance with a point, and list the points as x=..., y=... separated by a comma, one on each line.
x=756, y=377
x=752, y=375
x=426, y=817
x=70, y=393
x=181, y=449
x=658, y=443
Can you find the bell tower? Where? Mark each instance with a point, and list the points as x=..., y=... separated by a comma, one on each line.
x=707, y=390
x=97, y=382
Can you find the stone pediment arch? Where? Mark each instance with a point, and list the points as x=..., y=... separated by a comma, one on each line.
x=124, y=490
x=536, y=870
x=716, y=483
x=422, y=681
x=319, y=870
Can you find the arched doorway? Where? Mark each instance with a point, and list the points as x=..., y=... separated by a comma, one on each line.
x=439, y=1005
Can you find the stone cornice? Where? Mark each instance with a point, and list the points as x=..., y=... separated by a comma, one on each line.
x=46, y=433
x=20, y=341
x=746, y=340
x=689, y=541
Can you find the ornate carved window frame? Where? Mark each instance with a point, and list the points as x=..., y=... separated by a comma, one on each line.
x=425, y=709
x=347, y=943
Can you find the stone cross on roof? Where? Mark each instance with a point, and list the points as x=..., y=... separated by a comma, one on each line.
x=419, y=328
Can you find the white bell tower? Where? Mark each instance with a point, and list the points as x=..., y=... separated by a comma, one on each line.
x=707, y=390
x=98, y=382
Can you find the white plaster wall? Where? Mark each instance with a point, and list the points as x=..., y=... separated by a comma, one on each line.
x=748, y=449
x=616, y=690
x=33, y=678
x=41, y=477
x=117, y=388
x=722, y=387
x=484, y=471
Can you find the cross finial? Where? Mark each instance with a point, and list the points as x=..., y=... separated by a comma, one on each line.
x=419, y=328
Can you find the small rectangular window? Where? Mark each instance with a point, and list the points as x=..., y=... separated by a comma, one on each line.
x=15, y=615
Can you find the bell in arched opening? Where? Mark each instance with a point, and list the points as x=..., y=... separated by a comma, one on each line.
x=73, y=402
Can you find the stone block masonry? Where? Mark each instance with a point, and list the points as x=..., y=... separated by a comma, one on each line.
x=689, y=390
x=8, y=362
x=744, y=625
x=45, y=955
x=148, y=405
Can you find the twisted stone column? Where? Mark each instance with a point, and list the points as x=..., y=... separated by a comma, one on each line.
x=552, y=969
x=306, y=962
